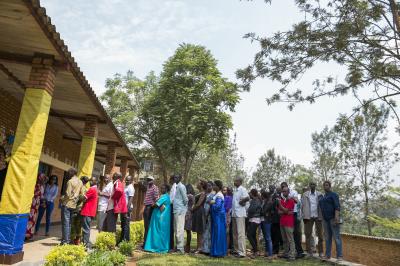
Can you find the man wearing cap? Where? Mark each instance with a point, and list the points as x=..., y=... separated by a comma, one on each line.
x=150, y=199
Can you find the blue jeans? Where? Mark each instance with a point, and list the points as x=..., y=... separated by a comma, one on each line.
x=49, y=209
x=332, y=230
x=266, y=229
x=66, y=224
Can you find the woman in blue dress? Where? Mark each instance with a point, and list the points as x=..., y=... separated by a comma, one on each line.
x=158, y=237
x=218, y=222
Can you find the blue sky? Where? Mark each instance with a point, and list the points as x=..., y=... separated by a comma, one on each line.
x=113, y=36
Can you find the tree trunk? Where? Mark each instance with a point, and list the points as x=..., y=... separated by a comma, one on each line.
x=163, y=165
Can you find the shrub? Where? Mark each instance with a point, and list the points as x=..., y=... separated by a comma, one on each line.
x=126, y=248
x=137, y=232
x=105, y=258
x=116, y=258
x=66, y=255
x=105, y=241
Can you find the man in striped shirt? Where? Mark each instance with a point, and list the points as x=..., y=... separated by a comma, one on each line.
x=150, y=199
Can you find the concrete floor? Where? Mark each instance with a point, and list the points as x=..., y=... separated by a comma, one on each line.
x=37, y=249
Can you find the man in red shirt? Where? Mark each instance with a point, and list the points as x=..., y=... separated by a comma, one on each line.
x=88, y=211
x=120, y=205
x=286, y=206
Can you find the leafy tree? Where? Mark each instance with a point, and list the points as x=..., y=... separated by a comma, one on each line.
x=190, y=105
x=301, y=177
x=272, y=169
x=224, y=165
x=125, y=100
x=366, y=156
x=359, y=35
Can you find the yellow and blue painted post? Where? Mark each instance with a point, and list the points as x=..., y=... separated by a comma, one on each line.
x=22, y=170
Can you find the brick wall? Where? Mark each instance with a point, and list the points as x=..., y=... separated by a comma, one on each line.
x=371, y=251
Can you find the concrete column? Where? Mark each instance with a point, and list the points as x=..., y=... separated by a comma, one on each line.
x=124, y=167
x=111, y=157
x=23, y=166
x=88, y=147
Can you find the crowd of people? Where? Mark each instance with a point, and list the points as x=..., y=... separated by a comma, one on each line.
x=222, y=217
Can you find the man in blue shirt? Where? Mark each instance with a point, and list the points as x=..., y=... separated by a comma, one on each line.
x=330, y=208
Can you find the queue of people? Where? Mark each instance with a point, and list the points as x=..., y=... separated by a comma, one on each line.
x=223, y=218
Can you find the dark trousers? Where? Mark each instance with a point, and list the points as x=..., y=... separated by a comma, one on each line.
x=148, y=210
x=252, y=235
x=172, y=237
x=110, y=224
x=86, y=220
x=297, y=235
x=230, y=236
x=276, y=237
x=48, y=209
x=125, y=236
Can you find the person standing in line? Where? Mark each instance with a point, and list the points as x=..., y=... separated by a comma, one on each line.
x=110, y=223
x=172, y=193
x=276, y=235
x=180, y=209
x=297, y=234
x=120, y=206
x=266, y=213
x=188, y=217
x=254, y=216
x=88, y=211
x=50, y=194
x=76, y=223
x=207, y=218
x=150, y=199
x=198, y=221
x=129, y=194
x=240, y=198
x=312, y=215
x=158, y=235
x=228, y=195
x=286, y=207
x=330, y=208
x=69, y=201
x=218, y=222
x=36, y=202
x=105, y=190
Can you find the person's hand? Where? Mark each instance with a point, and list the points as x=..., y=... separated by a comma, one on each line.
x=162, y=208
x=242, y=202
x=337, y=220
x=212, y=202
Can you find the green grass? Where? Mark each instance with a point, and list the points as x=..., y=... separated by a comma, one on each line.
x=194, y=260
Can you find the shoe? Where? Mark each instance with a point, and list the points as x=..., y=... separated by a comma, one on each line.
x=239, y=256
x=283, y=256
x=340, y=259
x=300, y=256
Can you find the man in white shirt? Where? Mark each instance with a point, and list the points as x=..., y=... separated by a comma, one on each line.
x=240, y=198
x=104, y=197
x=110, y=224
x=297, y=220
x=312, y=215
x=129, y=194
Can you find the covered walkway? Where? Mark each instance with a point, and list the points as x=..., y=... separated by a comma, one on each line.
x=50, y=116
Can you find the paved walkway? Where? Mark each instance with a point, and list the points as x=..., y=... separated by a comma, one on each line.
x=36, y=250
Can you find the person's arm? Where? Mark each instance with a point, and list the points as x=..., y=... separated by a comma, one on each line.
x=295, y=196
x=118, y=191
x=217, y=205
x=156, y=193
x=244, y=197
x=200, y=202
x=184, y=196
x=337, y=208
x=68, y=191
x=90, y=193
x=54, y=195
x=161, y=203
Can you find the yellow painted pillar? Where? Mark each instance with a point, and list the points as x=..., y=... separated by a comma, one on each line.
x=23, y=167
x=88, y=147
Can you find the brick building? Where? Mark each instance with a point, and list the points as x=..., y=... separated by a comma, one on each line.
x=50, y=118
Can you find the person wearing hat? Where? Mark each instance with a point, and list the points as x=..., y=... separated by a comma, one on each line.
x=150, y=199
